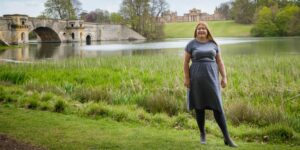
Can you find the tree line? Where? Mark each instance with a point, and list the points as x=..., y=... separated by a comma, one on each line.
x=270, y=17
x=141, y=15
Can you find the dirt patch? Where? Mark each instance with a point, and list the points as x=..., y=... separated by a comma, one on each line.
x=8, y=143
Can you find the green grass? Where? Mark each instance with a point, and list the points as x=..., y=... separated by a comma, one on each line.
x=218, y=28
x=260, y=100
x=59, y=131
x=2, y=48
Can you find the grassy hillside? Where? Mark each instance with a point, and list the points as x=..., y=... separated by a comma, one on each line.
x=218, y=28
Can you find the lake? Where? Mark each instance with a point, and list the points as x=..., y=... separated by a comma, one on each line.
x=229, y=46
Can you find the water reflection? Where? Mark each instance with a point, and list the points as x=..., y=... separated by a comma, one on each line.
x=266, y=46
x=230, y=46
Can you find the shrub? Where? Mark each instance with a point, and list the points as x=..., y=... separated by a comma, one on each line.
x=264, y=25
x=181, y=121
x=279, y=132
x=142, y=115
x=294, y=122
x=3, y=94
x=159, y=118
x=273, y=133
x=119, y=115
x=31, y=103
x=262, y=115
x=60, y=105
x=68, y=88
x=46, y=96
x=45, y=106
x=102, y=109
x=96, y=109
x=10, y=95
x=160, y=103
x=43, y=88
x=91, y=94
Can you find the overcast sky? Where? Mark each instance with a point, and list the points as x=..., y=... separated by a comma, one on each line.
x=34, y=8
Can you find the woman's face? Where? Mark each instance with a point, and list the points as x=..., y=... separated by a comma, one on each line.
x=201, y=31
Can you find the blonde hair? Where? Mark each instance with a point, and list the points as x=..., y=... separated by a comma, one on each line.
x=209, y=35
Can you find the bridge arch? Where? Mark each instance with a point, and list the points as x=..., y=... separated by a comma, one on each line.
x=46, y=34
x=88, y=39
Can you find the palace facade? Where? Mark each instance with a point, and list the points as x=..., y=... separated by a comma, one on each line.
x=194, y=15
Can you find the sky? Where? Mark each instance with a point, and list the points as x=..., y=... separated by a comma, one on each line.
x=34, y=8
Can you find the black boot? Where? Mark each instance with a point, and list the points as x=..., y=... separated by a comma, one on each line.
x=203, y=138
x=230, y=143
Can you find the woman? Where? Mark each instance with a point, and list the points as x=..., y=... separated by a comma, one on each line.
x=202, y=79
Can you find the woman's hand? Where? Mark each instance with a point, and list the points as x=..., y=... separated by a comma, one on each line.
x=223, y=82
x=187, y=83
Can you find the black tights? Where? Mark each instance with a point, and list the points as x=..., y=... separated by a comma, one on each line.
x=220, y=119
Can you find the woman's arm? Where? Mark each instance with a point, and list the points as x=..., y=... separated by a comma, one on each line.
x=222, y=69
x=186, y=69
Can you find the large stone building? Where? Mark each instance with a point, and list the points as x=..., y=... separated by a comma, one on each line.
x=194, y=15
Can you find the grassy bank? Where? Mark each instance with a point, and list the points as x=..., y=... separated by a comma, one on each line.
x=218, y=28
x=57, y=131
x=2, y=48
x=261, y=100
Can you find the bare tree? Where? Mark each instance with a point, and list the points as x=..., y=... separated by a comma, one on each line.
x=97, y=16
x=158, y=7
x=77, y=7
x=224, y=9
x=143, y=16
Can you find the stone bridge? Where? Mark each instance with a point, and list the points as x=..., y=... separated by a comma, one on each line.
x=15, y=29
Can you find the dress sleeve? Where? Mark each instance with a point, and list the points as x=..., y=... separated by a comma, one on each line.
x=188, y=48
x=217, y=48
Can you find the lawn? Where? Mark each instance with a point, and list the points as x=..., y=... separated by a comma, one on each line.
x=60, y=131
x=218, y=28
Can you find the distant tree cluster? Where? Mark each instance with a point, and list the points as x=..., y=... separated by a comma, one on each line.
x=270, y=17
x=272, y=21
x=102, y=16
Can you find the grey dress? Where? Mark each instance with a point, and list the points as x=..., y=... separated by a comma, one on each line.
x=204, y=92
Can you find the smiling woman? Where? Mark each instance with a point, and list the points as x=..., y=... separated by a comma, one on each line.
x=202, y=79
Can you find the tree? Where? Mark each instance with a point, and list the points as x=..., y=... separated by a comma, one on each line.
x=265, y=25
x=142, y=16
x=98, y=16
x=62, y=9
x=287, y=20
x=158, y=7
x=77, y=7
x=294, y=25
x=225, y=10
x=243, y=11
x=42, y=16
x=116, y=18
x=134, y=12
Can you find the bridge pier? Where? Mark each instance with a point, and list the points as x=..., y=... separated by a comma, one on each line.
x=75, y=30
x=16, y=31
